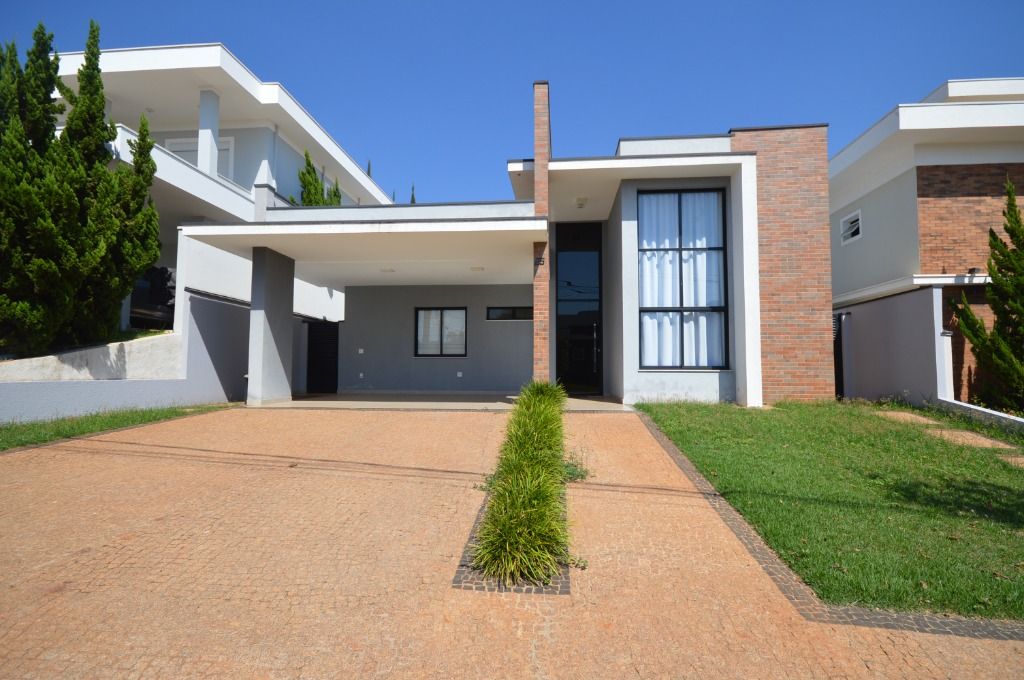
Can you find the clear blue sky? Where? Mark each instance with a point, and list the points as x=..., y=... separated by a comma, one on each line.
x=440, y=92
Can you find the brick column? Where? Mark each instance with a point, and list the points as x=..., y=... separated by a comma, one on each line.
x=795, y=260
x=541, y=311
x=541, y=251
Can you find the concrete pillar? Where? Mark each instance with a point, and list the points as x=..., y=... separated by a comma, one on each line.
x=270, y=327
x=209, y=131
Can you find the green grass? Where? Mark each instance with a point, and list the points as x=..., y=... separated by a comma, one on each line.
x=867, y=511
x=523, y=535
x=26, y=434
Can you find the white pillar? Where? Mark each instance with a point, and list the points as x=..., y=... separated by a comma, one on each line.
x=209, y=131
x=270, y=327
x=746, y=274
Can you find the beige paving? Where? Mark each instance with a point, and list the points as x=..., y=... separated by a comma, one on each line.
x=308, y=543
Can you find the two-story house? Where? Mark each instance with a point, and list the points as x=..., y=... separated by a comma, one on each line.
x=911, y=203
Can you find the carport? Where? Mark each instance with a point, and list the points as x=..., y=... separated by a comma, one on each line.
x=445, y=249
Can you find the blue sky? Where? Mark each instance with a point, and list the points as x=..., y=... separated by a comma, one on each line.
x=439, y=93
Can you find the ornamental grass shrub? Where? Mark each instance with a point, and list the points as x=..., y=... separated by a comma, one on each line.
x=523, y=536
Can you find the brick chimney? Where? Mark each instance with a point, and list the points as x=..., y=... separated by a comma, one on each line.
x=541, y=252
x=541, y=146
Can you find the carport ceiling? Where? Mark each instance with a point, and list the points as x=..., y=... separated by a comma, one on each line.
x=393, y=258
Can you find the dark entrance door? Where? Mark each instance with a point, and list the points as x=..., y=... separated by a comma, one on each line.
x=322, y=359
x=578, y=307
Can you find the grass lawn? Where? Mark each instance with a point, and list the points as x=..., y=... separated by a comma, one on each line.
x=25, y=434
x=866, y=510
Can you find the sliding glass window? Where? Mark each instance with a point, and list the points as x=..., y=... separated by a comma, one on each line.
x=682, y=279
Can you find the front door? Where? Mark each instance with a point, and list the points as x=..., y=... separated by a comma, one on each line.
x=578, y=307
x=322, y=359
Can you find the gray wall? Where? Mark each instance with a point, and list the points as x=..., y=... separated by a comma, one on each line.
x=888, y=248
x=271, y=327
x=380, y=320
x=889, y=347
x=215, y=370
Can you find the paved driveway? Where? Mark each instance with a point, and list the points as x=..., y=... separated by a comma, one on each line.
x=256, y=543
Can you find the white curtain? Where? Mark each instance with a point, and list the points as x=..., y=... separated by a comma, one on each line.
x=658, y=215
x=659, y=337
x=428, y=331
x=659, y=278
x=703, y=284
x=453, y=322
x=702, y=220
x=704, y=338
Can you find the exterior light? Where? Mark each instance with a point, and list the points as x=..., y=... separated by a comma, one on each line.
x=972, y=271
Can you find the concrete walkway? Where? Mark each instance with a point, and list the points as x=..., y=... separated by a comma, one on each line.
x=448, y=401
x=322, y=543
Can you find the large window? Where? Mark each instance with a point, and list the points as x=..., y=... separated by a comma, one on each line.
x=682, y=279
x=441, y=332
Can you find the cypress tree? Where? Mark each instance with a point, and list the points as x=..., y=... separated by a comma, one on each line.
x=369, y=168
x=311, y=184
x=1000, y=351
x=74, y=234
x=412, y=198
x=333, y=194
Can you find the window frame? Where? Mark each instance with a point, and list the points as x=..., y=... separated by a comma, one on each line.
x=860, y=228
x=513, y=307
x=416, y=333
x=682, y=309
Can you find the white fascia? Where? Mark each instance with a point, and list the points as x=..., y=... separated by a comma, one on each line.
x=216, y=55
x=907, y=283
x=373, y=227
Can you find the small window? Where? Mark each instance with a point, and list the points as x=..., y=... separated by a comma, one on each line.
x=441, y=332
x=509, y=313
x=849, y=228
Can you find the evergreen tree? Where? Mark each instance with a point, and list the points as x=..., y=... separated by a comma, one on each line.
x=1000, y=351
x=312, y=184
x=369, y=168
x=74, y=234
x=412, y=198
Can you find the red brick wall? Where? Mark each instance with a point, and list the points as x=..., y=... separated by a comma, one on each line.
x=541, y=312
x=956, y=206
x=796, y=264
x=541, y=255
x=966, y=378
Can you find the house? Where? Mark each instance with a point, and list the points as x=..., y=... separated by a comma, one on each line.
x=679, y=267
x=911, y=203
x=219, y=132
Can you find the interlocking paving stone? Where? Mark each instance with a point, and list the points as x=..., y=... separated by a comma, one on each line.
x=193, y=549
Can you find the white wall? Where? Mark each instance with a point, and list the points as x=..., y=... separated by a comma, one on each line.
x=154, y=357
x=888, y=247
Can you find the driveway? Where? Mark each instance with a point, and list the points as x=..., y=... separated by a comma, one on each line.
x=323, y=543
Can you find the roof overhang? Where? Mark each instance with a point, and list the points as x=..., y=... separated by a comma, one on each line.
x=156, y=81
x=926, y=134
x=472, y=251
x=584, y=189
x=907, y=283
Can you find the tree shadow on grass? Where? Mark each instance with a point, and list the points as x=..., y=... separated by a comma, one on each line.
x=965, y=498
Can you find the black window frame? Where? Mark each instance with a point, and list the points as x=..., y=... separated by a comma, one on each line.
x=416, y=332
x=516, y=310
x=681, y=309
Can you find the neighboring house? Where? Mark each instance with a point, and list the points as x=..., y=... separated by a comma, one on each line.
x=220, y=132
x=677, y=268
x=912, y=200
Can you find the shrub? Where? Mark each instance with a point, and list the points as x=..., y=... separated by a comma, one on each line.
x=523, y=535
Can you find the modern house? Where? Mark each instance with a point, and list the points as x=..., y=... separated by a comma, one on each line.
x=220, y=133
x=912, y=200
x=680, y=267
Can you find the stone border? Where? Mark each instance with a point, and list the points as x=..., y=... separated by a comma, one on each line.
x=468, y=578
x=800, y=594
